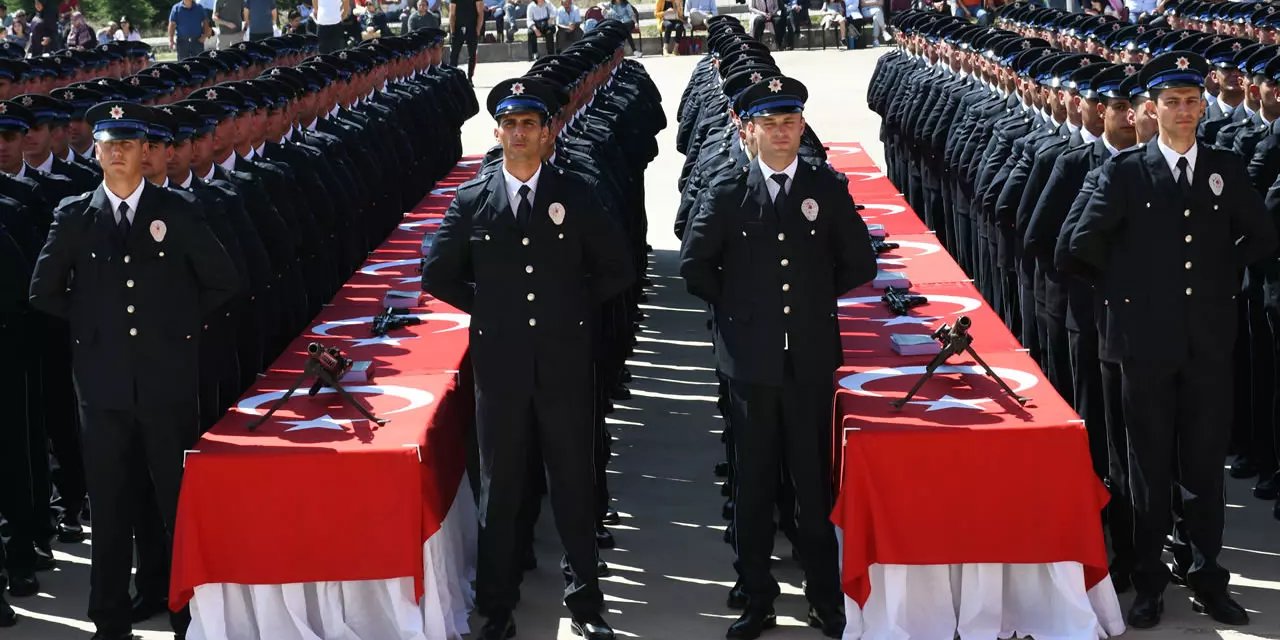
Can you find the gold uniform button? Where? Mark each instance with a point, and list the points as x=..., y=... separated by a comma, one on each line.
x=785, y=262
x=533, y=322
x=129, y=309
x=528, y=269
x=524, y=241
x=1187, y=239
x=786, y=286
x=128, y=283
x=133, y=332
x=530, y=297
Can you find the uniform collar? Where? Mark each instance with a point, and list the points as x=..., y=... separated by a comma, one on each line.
x=46, y=166
x=513, y=185
x=186, y=182
x=131, y=199
x=1087, y=136
x=790, y=170
x=1171, y=156
x=212, y=172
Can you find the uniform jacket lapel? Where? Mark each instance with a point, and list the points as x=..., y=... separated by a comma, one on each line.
x=547, y=193
x=105, y=221
x=140, y=230
x=757, y=191
x=498, y=208
x=1161, y=175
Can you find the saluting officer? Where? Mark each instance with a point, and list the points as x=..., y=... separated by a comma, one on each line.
x=771, y=251
x=134, y=268
x=528, y=254
x=1166, y=232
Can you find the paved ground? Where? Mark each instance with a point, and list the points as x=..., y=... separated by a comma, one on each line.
x=671, y=571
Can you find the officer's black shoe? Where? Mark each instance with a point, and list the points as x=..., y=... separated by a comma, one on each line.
x=611, y=517
x=103, y=635
x=1242, y=468
x=69, y=529
x=1178, y=574
x=722, y=469
x=738, y=599
x=592, y=627
x=604, y=538
x=620, y=392
x=752, y=623
x=830, y=619
x=22, y=586
x=8, y=617
x=500, y=626
x=1121, y=580
x=1145, y=611
x=1268, y=488
x=1220, y=607
x=726, y=511
x=44, y=557
x=143, y=608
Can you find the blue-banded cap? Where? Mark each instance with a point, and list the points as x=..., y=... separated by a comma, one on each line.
x=1131, y=87
x=184, y=122
x=1175, y=69
x=118, y=120
x=1222, y=54
x=1108, y=83
x=160, y=125
x=771, y=96
x=79, y=98
x=44, y=109
x=208, y=113
x=1084, y=80
x=15, y=117
x=518, y=95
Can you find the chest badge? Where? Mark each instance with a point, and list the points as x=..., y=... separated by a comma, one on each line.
x=1215, y=184
x=158, y=229
x=810, y=209
x=556, y=212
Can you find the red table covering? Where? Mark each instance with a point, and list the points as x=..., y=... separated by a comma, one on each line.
x=962, y=474
x=318, y=493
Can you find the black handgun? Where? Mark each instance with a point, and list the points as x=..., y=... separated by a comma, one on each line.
x=880, y=246
x=900, y=301
x=391, y=319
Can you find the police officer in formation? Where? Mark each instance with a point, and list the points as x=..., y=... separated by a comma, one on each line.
x=1111, y=188
x=770, y=239
x=177, y=224
x=543, y=249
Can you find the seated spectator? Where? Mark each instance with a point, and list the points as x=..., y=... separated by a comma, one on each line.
x=542, y=24
x=833, y=18
x=421, y=18
x=797, y=17
x=765, y=13
x=493, y=9
x=18, y=33
x=107, y=33
x=80, y=35
x=623, y=12
x=873, y=10
x=672, y=13
x=568, y=25
x=6, y=20
x=513, y=11
x=126, y=30
x=699, y=10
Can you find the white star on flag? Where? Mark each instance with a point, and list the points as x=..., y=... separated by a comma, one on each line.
x=948, y=402
x=325, y=421
x=377, y=341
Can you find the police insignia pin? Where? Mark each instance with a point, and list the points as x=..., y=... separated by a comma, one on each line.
x=556, y=212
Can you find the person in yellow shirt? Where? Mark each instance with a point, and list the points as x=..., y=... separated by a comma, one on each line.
x=672, y=12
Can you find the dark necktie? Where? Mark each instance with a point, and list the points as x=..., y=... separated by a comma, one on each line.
x=780, y=200
x=524, y=210
x=1184, y=177
x=123, y=224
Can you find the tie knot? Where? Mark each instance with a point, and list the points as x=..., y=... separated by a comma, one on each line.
x=124, y=208
x=780, y=178
x=524, y=191
x=1182, y=163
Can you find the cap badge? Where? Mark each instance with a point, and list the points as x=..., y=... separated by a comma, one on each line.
x=1236, y=47
x=756, y=77
x=68, y=95
x=117, y=112
x=27, y=101
x=211, y=94
x=1130, y=70
x=1182, y=64
x=556, y=213
x=133, y=81
x=775, y=85
x=155, y=73
x=1084, y=62
x=517, y=89
x=1026, y=44
x=4, y=108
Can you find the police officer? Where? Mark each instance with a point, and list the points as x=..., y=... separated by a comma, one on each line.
x=134, y=268
x=771, y=251
x=526, y=253
x=1170, y=292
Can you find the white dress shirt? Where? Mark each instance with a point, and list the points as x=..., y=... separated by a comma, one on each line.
x=229, y=163
x=768, y=175
x=209, y=176
x=131, y=200
x=1087, y=136
x=46, y=166
x=513, y=188
x=1172, y=156
x=186, y=182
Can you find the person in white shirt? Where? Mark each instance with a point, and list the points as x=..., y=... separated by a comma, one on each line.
x=699, y=10
x=568, y=25
x=541, y=26
x=833, y=18
x=328, y=17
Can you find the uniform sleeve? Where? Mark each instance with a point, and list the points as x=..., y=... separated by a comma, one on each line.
x=612, y=269
x=1102, y=216
x=1050, y=210
x=1062, y=259
x=447, y=274
x=702, y=250
x=1251, y=223
x=215, y=271
x=52, y=274
x=855, y=260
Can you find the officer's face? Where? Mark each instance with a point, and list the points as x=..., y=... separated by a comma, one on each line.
x=58, y=139
x=180, y=159
x=155, y=161
x=1268, y=96
x=1117, y=121
x=79, y=133
x=36, y=143
x=522, y=136
x=121, y=158
x=1230, y=80
x=201, y=151
x=1178, y=110
x=777, y=136
x=11, y=143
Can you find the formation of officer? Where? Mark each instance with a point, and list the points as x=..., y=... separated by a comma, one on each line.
x=1111, y=189
x=544, y=249
x=178, y=223
x=770, y=239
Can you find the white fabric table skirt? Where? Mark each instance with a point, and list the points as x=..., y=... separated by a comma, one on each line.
x=984, y=601
x=355, y=610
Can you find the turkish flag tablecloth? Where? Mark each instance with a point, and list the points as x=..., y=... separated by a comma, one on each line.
x=319, y=493
x=866, y=324
x=962, y=473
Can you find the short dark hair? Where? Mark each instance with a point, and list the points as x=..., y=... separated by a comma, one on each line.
x=3, y=7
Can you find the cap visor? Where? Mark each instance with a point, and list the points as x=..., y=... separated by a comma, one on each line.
x=106, y=135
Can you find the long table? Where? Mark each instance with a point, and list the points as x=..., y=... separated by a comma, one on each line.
x=321, y=523
x=962, y=513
